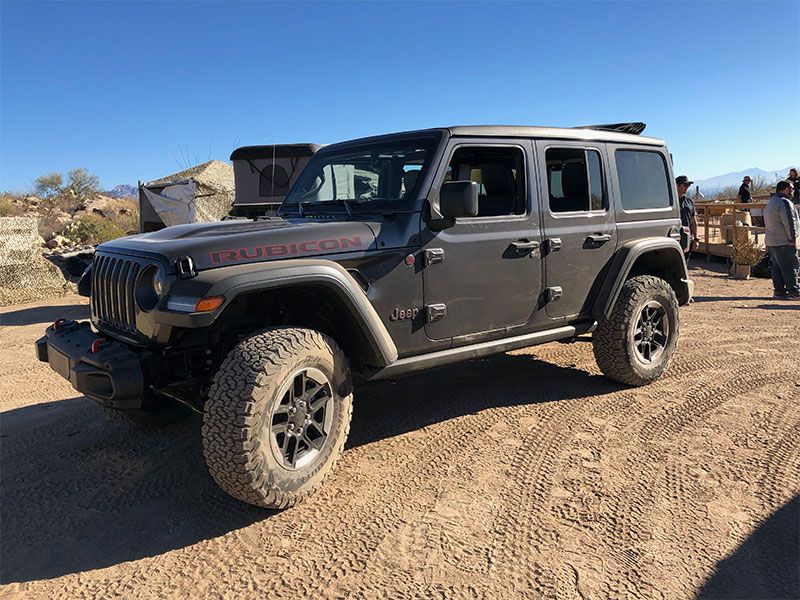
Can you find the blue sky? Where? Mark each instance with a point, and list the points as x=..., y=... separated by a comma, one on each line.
x=130, y=90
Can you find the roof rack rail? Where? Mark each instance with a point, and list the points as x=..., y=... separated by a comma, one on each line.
x=635, y=128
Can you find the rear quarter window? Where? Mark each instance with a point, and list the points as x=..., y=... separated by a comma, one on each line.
x=643, y=180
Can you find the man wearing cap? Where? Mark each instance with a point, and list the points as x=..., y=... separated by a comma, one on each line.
x=745, y=195
x=688, y=211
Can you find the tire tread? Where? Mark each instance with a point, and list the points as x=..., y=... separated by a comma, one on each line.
x=230, y=443
x=609, y=341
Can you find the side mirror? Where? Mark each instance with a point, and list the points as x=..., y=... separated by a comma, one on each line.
x=458, y=199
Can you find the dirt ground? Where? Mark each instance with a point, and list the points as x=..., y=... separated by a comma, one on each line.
x=523, y=475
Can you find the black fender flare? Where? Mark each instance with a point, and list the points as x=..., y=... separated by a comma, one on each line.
x=232, y=281
x=664, y=251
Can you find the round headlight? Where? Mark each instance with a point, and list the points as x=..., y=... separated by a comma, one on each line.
x=159, y=282
x=149, y=287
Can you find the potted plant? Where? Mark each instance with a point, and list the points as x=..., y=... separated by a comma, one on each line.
x=744, y=254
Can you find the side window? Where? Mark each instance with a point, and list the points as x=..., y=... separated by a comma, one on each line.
x=643, y=181
x=574, y=180
x=499, y=173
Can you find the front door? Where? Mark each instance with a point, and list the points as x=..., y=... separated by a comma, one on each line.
x=580, y=235
x=483, y=273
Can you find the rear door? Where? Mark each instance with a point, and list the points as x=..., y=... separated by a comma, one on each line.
x=577, y=220
x=483, y=273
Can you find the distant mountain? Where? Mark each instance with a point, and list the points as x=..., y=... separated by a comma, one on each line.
x=123, y=191
x=714, y=184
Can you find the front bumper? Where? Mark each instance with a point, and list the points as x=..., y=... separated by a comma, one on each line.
x=112, y=375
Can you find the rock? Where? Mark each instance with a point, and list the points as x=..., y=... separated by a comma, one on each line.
x=102, y=205
x=60, y=217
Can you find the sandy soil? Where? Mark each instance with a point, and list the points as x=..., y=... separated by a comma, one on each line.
x=523, y=475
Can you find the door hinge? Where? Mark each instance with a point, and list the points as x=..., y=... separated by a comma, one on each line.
x=433, y=256
x=552, y=245
x=435, y=312
x=552, y=294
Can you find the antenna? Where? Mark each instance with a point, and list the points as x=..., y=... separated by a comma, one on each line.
x=272, y=179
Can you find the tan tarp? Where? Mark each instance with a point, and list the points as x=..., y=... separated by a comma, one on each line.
x=215, y=188
x=25, y=275
x=175, y=204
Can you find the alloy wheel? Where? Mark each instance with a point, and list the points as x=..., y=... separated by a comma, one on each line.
x=301, y=422
x=651, y=333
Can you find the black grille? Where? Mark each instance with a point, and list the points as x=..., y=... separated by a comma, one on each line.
x=113, y=285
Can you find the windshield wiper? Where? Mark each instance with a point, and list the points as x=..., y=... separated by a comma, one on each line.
x=341, y=201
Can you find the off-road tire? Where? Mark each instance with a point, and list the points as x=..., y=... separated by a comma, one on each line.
x=238, y=416
x=167, y=413
x=613, y=342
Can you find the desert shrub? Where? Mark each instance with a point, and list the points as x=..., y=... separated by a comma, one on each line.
x=92, y=229
x=60, y=202
x=126, y=214
x=49, y=185
x=49, y=225
x=82, y=185
x=8, y=208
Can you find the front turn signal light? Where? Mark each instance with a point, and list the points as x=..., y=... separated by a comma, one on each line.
x=208, y=304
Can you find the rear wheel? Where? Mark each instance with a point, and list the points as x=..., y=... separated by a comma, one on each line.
x=277, y=416
x=636, y=342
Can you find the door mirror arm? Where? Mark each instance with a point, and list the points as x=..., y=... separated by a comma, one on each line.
x=442, y=223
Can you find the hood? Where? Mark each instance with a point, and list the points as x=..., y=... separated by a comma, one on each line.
x=236, y=242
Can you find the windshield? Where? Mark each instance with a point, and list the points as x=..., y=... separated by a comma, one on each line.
x=386, y=173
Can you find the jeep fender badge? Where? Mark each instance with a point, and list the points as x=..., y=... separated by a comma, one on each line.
x=410, y=260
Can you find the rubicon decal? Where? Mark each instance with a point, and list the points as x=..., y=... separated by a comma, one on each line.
x=290, y=249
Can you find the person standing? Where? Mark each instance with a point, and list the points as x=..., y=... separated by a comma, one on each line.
x=688, y=212
x=745, y=193
x=795, y=179
x=783, y=228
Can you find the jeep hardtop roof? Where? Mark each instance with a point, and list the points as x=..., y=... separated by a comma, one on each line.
x=600, y=133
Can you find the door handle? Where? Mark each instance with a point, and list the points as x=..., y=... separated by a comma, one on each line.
x=524, y=245
x=598, y=238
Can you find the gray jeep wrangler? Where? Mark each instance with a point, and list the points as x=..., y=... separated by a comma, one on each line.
x=390, y=255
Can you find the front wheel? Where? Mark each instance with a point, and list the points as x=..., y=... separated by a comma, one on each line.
x=636, y=342
x=277, y=416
